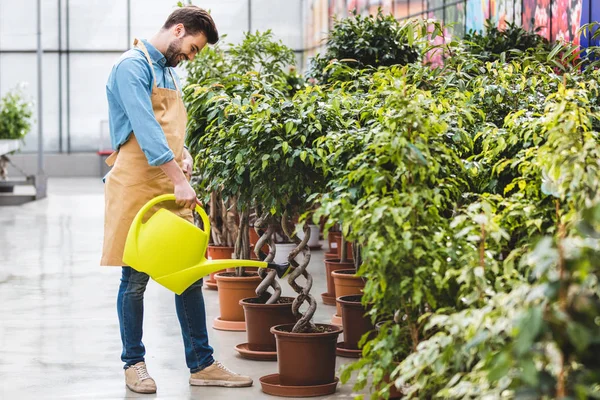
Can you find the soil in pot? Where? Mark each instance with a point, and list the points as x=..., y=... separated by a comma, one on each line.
x=354, y=320
x=306, y=359
x=347, y=283
x=260, y=317
x=232, y=289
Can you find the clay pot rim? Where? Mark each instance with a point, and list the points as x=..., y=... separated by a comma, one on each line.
x=222, y=277
x=343, y=273
x=337, y=261
x=337, y=330
x=259, y=305
x=349, y=302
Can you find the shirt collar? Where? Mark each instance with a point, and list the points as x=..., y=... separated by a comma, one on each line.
x=155, y=55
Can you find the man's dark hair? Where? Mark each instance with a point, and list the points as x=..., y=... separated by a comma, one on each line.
x=194, y=20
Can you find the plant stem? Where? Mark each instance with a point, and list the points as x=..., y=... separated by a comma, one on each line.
x=482, y=247
x=562, y=296
x=343, y=250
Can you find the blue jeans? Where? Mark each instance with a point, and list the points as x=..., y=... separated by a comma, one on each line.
x=190, y=311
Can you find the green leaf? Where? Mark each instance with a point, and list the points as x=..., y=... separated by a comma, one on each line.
x=579, y=335
x=289, y=126
x=529, y=327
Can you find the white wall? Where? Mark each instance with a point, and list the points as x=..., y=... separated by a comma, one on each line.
x=98, y=34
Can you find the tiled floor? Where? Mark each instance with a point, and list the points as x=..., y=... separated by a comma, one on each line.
x=59, y=335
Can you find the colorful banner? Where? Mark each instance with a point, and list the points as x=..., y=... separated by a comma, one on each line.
x=557, y=19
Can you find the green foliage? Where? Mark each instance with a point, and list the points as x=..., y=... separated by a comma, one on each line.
x=215, y=73
x=512, y=41
x=447, y=179
x=368, y=41
x=15, y=115
x=471, y=189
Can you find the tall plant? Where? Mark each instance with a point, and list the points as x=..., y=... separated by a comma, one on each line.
x=216, y=78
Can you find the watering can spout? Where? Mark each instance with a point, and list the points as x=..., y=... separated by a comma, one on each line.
x=172, y=250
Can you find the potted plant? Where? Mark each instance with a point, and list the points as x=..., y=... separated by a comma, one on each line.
x=265, y=154
x=356, y=323
x=267, y=309
x=223, y=220
x=15, y=123
x=218, y=99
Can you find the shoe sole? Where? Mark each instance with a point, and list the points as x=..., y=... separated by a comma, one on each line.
x=141, y=391
x=203, y=382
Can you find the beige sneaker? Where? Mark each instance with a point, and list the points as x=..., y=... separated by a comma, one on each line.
x=138, y=380
x=219, y=375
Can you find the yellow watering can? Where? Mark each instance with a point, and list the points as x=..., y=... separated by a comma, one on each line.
x=171, y=250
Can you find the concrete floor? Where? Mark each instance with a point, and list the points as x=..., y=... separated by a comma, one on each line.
x=59, y=335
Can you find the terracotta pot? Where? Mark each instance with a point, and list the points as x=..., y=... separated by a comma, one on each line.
x=334, y=265
x=306, y=359
x=260, y=318
x=346, y=283
x=232, y=289
x=217, y=253
x=253, y=239
x=338, y=245
x=354, y=320
x=331, y=238
x=394, y=393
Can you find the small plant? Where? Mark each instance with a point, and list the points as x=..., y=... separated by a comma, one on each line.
x=15, y=121
x=15, y=115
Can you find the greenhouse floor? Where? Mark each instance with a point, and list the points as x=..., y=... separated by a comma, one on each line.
x=59, y=334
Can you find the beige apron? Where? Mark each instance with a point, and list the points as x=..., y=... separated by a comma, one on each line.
x=132, y=182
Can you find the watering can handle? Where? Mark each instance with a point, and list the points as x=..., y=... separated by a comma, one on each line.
x=171, y=197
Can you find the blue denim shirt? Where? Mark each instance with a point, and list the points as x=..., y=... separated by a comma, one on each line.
x=128, y=89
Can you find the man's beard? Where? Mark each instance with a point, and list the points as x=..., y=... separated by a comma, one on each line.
x=173, y=53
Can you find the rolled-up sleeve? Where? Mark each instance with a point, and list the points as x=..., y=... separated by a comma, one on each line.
x=133, y=83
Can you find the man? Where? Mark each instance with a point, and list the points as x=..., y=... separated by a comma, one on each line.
x=147, y=121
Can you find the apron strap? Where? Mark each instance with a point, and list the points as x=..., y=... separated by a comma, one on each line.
x=139, y=44
x=110, y=160
x=174, y=80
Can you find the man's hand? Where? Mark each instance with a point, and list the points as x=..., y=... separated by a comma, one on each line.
x=188, y=164
x=185, y=195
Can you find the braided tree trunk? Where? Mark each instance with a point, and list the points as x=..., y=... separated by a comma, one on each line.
x=267, y=276
x=304, y=321
x=242, y=244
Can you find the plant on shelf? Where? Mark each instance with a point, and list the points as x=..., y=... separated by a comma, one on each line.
x=15, y=121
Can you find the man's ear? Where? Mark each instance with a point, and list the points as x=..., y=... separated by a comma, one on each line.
x=179, y=31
